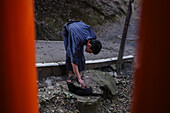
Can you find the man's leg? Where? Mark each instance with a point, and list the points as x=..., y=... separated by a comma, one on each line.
x=70, y=73
x=70, y=76
x=69, y=68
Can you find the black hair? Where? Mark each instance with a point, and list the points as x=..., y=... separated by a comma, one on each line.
x=96, y=46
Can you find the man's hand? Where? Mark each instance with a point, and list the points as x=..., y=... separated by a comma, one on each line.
x=81, y=83
x=77, y=73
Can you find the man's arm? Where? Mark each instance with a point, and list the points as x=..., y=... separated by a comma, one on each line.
x=77, y=73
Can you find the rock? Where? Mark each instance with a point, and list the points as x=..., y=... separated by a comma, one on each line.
x=86, y=105
x=76, y=111
x=113, y=66
x=96, y=80
x=115, y=74
x=105, y=7
x=101, y=78
x=48, y=82
x=111, y=73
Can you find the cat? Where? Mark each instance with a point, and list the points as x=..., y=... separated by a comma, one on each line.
x=82, y=92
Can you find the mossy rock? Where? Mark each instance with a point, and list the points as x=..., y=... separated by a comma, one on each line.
x=101, y=79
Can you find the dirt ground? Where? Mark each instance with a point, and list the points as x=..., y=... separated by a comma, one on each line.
x=52, y=97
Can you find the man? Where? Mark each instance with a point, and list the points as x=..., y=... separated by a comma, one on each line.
x=76, y=34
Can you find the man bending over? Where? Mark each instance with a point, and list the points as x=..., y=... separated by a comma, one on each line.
x=76, y=34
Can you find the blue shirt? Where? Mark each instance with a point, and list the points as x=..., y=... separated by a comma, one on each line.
x=74, y=40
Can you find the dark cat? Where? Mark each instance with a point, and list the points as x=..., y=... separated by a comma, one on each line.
x=81, y=92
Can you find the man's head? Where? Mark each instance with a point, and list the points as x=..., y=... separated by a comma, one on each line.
x=93, y=46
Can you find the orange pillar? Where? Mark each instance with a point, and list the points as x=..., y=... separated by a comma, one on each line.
x=152, y=75
x=18, y=87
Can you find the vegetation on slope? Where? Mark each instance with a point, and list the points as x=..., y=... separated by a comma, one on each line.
x=51, y=15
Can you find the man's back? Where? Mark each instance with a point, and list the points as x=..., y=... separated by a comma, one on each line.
x=81, y=32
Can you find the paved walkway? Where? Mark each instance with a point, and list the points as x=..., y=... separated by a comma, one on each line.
x=54, y=51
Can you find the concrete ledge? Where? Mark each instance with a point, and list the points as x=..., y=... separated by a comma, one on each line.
x=59, y=68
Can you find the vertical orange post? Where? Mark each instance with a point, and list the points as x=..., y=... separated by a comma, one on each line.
x=18, y=87
x=152, y=75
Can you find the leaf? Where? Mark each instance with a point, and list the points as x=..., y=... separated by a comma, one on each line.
x=68, y=95
x=113, y=105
